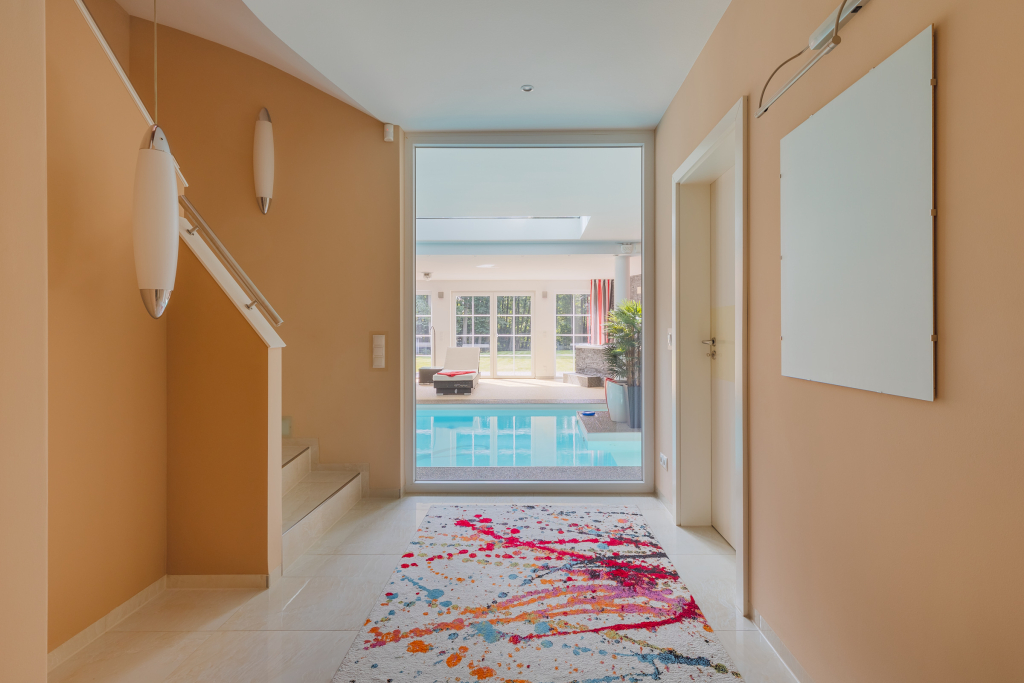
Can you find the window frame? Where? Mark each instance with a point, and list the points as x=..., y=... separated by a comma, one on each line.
x=652, y=340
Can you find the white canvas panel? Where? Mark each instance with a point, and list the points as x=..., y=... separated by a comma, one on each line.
x=857, y=233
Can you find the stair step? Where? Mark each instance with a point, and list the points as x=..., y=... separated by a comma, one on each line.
x=311, y=492
x=314, y=505
x=295, y=469
x=291, y=451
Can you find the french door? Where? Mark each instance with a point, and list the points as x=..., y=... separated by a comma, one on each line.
x=501, y=326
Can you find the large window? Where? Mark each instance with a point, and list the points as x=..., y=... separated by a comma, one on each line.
x=515, y=335
x=423, y=322
x=473, y=326
x=571, y=328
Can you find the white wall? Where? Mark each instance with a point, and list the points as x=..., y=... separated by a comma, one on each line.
x=443, y=313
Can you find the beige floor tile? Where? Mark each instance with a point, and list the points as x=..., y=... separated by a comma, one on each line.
x=266, y=657
x=754, y=657
x=353, y=567
x=385, y=503
x=712, y=580
x=184, y=609
x=126, y=657
x=321, y=603
x=388, y=536
x=465, y=499
x=691, y=540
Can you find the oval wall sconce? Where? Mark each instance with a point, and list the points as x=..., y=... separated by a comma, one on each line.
x=155, y=221
x=263, y=160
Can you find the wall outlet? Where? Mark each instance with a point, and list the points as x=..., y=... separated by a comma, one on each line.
x=663, y=459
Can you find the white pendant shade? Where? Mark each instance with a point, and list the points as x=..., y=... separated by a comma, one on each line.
x=263, y=160
x=155, y=222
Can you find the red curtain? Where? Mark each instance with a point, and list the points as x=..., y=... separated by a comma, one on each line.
x=601, y=294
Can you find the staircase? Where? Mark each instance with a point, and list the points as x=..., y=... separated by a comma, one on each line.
x=314, y=497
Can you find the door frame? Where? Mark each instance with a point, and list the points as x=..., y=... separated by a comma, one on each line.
x=724, y=147
x=643, y=139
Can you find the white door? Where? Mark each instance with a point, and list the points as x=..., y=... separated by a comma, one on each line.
x=724, y=478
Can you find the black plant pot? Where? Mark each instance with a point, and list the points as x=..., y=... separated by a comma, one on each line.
x=634, y=406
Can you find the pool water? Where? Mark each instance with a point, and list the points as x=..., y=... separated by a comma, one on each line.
x=520, y=437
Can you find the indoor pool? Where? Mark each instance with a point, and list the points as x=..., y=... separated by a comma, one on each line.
x=481, y=436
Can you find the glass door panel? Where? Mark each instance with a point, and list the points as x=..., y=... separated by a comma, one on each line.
x=572, y=319
x=423, y=336
x=473, y=326
x=514, y=337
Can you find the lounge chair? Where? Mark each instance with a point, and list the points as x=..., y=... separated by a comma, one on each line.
x=461, y=371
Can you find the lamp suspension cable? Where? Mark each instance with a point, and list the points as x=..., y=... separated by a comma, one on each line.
x=765, y=88
x=156, y=100
x=835, y=33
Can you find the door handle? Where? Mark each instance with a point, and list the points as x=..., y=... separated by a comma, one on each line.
x=710, y=342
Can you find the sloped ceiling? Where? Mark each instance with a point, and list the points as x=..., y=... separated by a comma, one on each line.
x=232, y=24
x=446, y=65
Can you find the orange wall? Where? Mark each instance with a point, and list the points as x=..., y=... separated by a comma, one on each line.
x=887, y=533
x=107, y=357
x=115, y=24
x=327, y=254
x=23, y=342
x=217, y=409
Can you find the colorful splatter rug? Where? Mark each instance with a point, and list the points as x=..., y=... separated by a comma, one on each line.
x=535, y=594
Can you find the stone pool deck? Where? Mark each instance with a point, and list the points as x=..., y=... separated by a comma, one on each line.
x=599, y=427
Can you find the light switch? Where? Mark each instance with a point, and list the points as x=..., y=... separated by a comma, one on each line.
x=378, y=351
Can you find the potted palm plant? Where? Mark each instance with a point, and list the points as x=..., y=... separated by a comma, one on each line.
x=624, y=355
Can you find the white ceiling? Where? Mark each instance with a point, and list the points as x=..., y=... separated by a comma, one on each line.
x=232, y=24
x=604, y=183
x=459, y=64
x=514, y=267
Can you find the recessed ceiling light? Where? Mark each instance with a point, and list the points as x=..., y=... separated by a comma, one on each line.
x=486, y=265
x=527, y=88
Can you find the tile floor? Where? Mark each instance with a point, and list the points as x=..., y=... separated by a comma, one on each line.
x=516, y=391
x=300, y=630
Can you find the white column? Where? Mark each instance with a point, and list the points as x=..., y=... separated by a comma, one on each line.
x=621, y=278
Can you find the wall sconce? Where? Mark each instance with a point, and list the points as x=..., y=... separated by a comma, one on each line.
x=825, y=39
x=263, y=160
x=389, y=132
x=155, y=221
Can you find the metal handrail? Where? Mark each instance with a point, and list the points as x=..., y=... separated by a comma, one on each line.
x=257, y=298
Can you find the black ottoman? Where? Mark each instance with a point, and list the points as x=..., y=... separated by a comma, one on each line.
x=427, y=375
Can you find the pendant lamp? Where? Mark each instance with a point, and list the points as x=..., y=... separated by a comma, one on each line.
x=155, y=221
x=155, y=211
x=263, y=160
